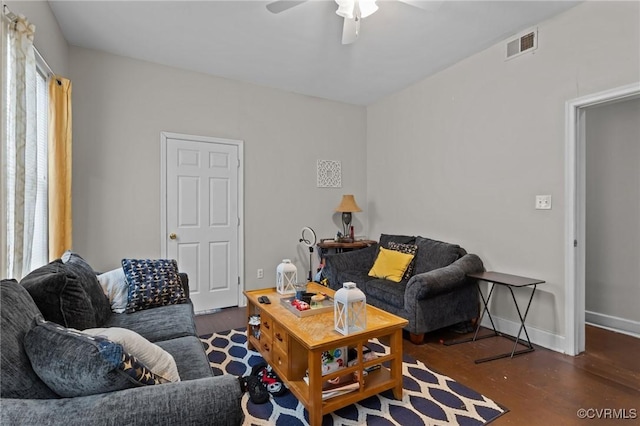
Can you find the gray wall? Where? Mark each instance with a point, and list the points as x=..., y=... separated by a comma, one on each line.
x=475, y=143
x=120, y=107
x=613, y=214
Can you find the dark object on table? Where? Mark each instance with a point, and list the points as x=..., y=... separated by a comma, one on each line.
x=306, y=297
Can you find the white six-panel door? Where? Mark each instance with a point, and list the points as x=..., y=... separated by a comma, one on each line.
x=202, y=219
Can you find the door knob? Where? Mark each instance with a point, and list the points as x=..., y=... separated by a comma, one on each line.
x=173, y=236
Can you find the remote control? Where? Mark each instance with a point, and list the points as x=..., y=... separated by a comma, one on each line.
x=264, y=299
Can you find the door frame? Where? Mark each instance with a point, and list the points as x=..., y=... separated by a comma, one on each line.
x=163, y=197
x=575, y=202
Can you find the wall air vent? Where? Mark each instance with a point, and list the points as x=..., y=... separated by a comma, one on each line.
x=526, y=41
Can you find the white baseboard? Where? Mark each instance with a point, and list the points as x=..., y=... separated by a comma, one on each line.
x=538, y=337
x=620, y=325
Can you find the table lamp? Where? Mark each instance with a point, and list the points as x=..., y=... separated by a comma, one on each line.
x=347, y=206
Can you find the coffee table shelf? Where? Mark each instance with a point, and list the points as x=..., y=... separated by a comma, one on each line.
x=293, y=345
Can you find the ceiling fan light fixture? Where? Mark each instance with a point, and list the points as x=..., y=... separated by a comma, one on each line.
x=349, y=9
x=346, y=8
x=367, y=7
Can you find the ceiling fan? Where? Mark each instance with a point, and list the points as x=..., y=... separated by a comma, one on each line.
x=353, y=11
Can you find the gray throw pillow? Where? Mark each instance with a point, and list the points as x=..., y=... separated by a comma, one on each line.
x=73, y=364
x=60, y=296
x=152, y=283
x=89, y=280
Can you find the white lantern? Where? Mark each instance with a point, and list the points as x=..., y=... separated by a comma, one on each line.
x=286, y=277
x=349, y=309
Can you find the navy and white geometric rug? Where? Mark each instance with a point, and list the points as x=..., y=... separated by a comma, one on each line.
x=429, y=398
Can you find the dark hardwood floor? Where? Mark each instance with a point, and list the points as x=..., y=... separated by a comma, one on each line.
x=539, y=388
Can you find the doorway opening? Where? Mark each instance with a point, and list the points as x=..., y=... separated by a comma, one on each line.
x=575, y=217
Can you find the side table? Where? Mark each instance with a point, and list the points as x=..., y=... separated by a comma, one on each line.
x=325, y=245
x=509, y=281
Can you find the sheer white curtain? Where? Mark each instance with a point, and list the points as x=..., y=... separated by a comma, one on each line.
x=20, y=151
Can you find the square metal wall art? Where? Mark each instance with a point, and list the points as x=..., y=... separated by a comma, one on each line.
x=329, y=174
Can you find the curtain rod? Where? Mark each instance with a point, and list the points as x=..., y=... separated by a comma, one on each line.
x=39, y=58
x=42, y=62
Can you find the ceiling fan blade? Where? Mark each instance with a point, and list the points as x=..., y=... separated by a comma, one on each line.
x=282, y=5
x=428, y=5
x=350, y=30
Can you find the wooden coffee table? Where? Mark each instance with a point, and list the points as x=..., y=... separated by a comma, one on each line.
x=292, y=345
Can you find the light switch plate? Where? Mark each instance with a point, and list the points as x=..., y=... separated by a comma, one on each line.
x=543, y=202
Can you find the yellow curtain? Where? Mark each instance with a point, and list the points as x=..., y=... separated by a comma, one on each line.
x=60, y=220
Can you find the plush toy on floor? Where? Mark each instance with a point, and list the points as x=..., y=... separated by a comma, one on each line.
x=269, y=379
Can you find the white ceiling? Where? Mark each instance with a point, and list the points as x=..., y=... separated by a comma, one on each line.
x=300, y=50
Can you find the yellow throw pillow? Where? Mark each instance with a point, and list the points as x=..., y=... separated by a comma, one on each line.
x=390, y=265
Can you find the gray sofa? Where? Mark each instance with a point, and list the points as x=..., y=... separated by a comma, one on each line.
x=438, y=293
x=199, y=398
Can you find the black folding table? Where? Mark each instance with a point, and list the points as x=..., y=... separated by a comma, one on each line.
x=509, y=281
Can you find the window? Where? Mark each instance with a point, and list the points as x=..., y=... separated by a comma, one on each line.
x=39, y=143
x=40, y=248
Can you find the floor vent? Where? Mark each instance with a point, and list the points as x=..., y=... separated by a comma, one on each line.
x=527, y=41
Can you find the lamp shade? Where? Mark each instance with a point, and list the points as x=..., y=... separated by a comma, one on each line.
x=348, y=205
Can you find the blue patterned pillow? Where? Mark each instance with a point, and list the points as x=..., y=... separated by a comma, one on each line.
x=152, y=283
x=72, y=363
